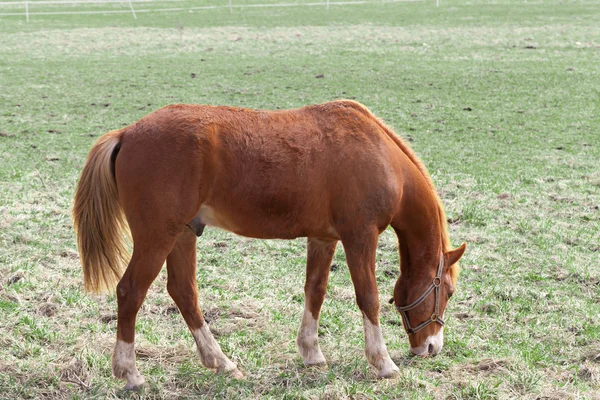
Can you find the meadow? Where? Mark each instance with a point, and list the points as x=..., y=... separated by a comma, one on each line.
x=501, y=100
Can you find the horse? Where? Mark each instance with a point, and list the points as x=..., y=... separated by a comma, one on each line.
x=329, y=172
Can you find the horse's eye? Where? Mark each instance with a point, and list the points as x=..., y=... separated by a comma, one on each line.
x=449, y=295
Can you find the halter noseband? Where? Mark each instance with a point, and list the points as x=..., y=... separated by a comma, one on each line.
x=435, y=317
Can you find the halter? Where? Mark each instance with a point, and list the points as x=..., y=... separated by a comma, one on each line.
x=435, y=317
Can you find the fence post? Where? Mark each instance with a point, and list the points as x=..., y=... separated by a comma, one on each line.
x=230, y=7
x=328, y=4
x=132, y=10
x=27, y=10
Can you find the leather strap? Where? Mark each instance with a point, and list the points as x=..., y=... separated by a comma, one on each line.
x=435, y=317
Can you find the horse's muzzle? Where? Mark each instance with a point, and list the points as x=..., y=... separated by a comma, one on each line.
x=432, y=345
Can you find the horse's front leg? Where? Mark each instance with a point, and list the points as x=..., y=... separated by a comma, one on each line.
x=360, y=248
x=319, y=255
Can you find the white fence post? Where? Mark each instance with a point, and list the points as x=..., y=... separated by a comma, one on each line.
x=27, y=10
x=230, y=7
x=132, y=10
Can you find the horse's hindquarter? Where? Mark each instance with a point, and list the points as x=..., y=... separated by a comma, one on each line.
x=306, y=172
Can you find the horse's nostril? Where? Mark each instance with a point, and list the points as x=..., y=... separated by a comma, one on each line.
x=430, y=348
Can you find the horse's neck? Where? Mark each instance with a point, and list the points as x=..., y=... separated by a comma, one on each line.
x=420, y=233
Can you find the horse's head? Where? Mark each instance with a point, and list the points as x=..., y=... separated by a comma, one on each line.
x=421, y=298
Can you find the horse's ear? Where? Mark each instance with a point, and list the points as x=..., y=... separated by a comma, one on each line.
x=456, y=254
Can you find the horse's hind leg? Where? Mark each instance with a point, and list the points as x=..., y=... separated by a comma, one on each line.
x=181, y=268
x=146, y=262
x=319, y=255
x=360, y=248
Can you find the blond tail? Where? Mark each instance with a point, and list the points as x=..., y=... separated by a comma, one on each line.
x=98, y=218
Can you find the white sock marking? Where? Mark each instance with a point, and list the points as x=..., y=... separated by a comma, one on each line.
x=123, y=365
x=211, y=354
x=308, y=340
x=376, y=352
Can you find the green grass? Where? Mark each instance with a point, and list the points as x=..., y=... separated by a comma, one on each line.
x=501, y=101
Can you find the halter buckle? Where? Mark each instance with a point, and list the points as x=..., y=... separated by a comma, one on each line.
x=437, y=281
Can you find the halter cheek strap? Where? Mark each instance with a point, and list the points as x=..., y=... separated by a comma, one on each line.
x=435, y=317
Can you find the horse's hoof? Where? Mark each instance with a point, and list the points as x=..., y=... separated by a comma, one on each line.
x=313, y=358
x=236, y=374
x=319, y=365
x=135, y=382
x=389, y=374
x=132, y=387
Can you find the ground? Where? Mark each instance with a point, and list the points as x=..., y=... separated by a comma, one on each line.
x=499, y=99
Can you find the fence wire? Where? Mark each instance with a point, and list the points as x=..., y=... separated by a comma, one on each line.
x=28, y=8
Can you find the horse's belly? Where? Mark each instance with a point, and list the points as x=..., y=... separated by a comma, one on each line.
x=261, y=227
x=210, y=217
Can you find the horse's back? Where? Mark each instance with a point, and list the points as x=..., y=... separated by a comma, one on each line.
x=304, y=172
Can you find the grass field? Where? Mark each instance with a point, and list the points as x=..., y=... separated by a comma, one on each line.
x=502, y=103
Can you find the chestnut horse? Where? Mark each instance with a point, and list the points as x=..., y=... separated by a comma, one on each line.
x=327, y=172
